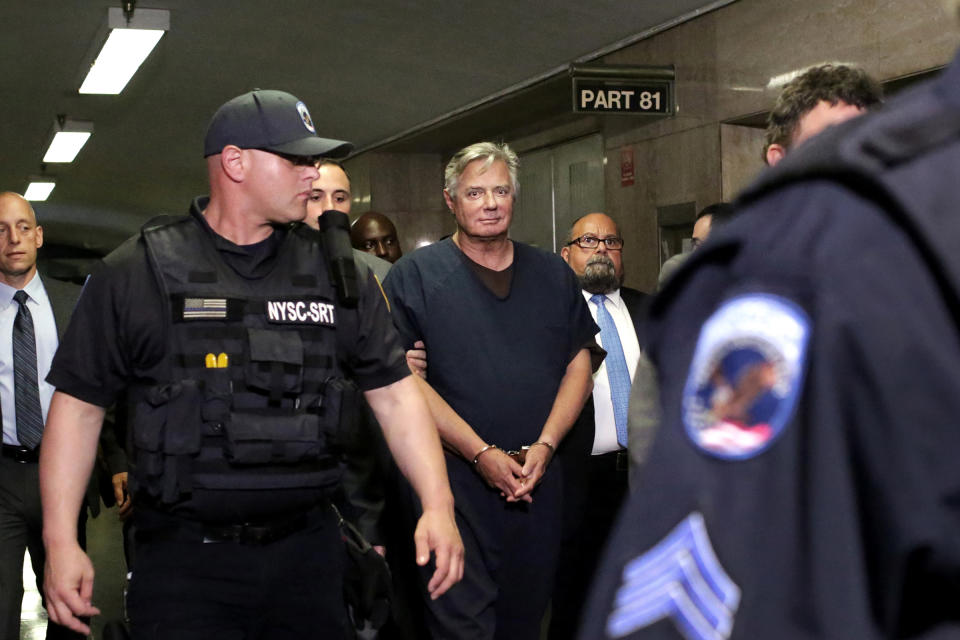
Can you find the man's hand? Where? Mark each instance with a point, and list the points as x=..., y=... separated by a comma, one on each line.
x=120, y=494
x=66, y=459
x=437, y=532
x=68, y=585
x=403, y=415
x=417, y=359
x=538, y=457
x=502, y=472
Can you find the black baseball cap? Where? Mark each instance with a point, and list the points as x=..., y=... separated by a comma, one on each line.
x=272, y=121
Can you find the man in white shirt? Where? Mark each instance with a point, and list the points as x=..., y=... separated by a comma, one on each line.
x=594, y=456
x=31, y=312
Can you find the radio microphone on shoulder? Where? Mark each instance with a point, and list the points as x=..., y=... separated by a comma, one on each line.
x=335, y=231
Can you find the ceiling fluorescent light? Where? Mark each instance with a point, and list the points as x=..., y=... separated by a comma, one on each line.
x=127, y=46
x=39, y=188
x=68, y=138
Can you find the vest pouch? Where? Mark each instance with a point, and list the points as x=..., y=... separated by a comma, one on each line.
x=217, y=396
x=167, y=418
x=166, y=424
x=183, y=430
x=148, y=421
x=275, y=363
x=340, y=409
x=258, y=439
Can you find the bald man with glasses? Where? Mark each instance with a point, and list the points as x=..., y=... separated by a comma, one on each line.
x=594, y=455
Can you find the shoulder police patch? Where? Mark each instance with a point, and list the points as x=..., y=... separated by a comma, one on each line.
x=746, y=375
x=678, y=579
x=310, y=312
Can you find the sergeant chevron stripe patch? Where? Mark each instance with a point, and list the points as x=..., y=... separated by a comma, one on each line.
x=680, y=579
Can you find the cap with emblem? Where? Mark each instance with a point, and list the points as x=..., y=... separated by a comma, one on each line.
x=272, y=121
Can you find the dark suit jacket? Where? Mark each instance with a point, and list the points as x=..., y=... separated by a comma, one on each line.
x=578, y=444
x=637, y=302
x=63, y=298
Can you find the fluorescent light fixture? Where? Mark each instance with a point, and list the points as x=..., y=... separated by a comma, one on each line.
x=68, y=138
x=127, y=46
x=39, y=188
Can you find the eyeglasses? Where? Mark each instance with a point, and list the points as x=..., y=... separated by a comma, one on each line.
x=613, y=243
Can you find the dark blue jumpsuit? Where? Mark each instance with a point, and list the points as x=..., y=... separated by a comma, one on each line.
x=804, y=482
x=498, y=362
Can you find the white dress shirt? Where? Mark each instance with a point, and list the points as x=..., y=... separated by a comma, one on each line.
x=45, y=331
x=605, y=429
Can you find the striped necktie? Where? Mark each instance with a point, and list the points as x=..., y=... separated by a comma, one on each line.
x=26, y=393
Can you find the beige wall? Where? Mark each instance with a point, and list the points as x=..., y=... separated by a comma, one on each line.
x=740, y=158
x=723, y=63
x=407, y=188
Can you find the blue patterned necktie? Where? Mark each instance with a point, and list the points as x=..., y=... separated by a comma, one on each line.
x=26, y=392
x=617, y=372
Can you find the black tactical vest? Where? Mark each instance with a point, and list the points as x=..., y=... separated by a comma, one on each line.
x=254, y=398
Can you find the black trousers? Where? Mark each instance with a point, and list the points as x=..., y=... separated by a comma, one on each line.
x=290, y=589
x=511, y=552
x=20, y=529
x=595, y=511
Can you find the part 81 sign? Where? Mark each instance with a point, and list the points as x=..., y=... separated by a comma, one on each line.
x=591, y=95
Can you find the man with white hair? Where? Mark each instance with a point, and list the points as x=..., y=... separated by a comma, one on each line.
x=507, y=330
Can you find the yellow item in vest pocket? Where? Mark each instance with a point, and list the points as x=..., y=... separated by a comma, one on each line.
x=221, y=361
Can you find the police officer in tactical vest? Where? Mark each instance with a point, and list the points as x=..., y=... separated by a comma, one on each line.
x=804, y=482
x=226, y=332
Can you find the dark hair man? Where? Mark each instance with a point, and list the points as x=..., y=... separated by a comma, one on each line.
x=819, y=97
x=375, y=494
x=224, y=329
x=375, y=233
x=330, y=191
x=594, y=454
x=803, y=483
x=506, y=328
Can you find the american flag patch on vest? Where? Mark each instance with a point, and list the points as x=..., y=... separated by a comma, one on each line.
x=206, y=308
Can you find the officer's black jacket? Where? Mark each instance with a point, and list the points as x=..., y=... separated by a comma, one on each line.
x=847, y=523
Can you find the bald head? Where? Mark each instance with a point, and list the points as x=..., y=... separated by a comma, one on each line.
x=20, y=237
x=374, y=233
x=600, y=269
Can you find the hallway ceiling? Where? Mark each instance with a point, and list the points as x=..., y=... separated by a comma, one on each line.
x=369, y=70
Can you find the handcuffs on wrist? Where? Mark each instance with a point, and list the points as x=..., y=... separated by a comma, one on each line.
x=519, y=455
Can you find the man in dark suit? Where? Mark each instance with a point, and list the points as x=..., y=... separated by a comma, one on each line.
x=594, y=454
x=34, y=311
